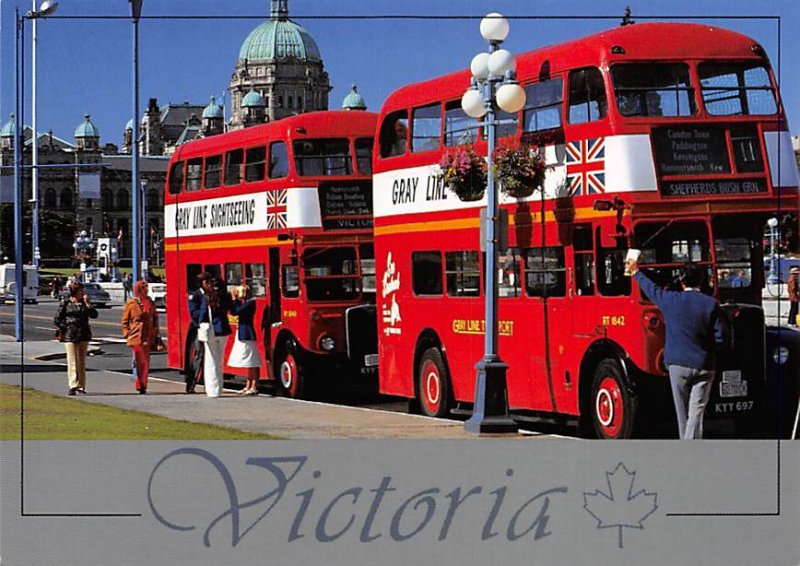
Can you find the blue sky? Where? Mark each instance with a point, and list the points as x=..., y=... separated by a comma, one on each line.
x=85, y=64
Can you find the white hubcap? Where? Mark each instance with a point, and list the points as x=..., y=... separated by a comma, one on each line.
x=605, y=417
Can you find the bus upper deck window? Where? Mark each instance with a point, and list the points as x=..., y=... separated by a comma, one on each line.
x=542, y=109
x=653, y=89
x=426, y=128
x=322, y=157
x=194, y=174
x=233, y=166
x=213, y=171
x=255, y=164
x=175, y=178
x=587, y=96
x=736, y=88
x=364, y=155
x=459, y=129
x=278, y=161
x=394, y=134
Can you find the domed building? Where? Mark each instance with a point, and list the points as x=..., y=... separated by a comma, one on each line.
x=281, y=62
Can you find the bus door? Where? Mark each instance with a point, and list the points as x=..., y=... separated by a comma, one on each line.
x=543, y=282
x=272, y=312
x=583, y=284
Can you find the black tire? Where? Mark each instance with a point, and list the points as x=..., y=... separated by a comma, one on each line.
x=289, y=373
x=434, y=393
x=610, y=410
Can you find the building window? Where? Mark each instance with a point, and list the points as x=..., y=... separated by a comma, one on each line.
x=153, y=202
x=51, y=198
x=66, y=199
x=123, y=201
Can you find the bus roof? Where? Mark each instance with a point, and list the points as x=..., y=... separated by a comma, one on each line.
x=323, y=124
x=646, y=41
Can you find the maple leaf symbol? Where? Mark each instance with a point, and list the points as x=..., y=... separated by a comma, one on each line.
x=620, y=508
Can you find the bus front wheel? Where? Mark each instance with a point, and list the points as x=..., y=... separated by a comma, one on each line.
x=433, y=385
x=611, y=404
x=290, y=377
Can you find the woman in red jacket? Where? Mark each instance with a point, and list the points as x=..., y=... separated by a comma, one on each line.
x=140, y=330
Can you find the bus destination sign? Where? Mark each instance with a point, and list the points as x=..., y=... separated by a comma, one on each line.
x=346, y=207
x=691, y=151
x=702, y=188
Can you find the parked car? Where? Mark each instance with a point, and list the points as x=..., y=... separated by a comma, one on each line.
x=158, y=292
x=98, y=296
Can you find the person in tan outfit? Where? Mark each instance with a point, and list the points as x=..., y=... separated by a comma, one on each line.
x=794, y=294
x=72, y=328
x=140, y=330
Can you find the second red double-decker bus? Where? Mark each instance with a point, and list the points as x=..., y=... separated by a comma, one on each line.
x=285, y=207
x=665, y=137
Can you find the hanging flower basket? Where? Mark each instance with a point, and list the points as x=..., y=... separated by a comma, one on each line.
x=520, y=170
x=464, y=172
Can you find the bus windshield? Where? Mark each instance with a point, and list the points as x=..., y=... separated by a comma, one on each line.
x=668, y=246
x=331, y=273
x=731, y=89
x=322, y=158
x=653, y=89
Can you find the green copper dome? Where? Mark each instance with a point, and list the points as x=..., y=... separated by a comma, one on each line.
x=354, y=101
x=8, y=128
x=86, y=129
x=279, y=38
x=213, y=110
x=253, y=99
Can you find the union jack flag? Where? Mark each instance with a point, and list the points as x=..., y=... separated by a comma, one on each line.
x=586, y=166
x=276, y=209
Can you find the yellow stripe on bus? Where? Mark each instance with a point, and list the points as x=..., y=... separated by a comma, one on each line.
x=466, y=223
x=217, y=244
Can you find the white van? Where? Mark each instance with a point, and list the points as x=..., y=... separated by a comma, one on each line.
x=8, y=284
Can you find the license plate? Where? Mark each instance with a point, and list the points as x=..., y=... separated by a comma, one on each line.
x=733, y=376
x=733, y=389
x=371, y=360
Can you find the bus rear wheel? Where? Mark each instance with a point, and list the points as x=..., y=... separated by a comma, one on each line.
x=612, y=405
x=290, y=376
x=433, y=384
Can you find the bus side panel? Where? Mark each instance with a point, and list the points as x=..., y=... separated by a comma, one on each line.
x=177, y=311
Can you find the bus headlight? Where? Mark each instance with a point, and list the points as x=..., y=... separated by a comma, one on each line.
x=327, y=343
x=781, y=355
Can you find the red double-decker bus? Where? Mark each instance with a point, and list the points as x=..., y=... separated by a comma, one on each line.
x=285, y=207
x=666, y=137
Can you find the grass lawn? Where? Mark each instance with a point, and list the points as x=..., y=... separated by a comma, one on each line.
x=52, y=417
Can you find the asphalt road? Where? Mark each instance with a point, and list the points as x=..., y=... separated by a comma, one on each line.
x=115, y=356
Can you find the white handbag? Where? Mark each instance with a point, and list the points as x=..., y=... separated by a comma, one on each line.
x=205, y=332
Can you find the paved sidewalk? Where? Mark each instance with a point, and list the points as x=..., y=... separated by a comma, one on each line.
x=287, y=418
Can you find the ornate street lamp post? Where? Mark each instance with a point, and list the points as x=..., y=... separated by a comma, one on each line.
x=136, y=11
x=773, y=267
x=46, y=9
x=493, y=87
x=84, y=247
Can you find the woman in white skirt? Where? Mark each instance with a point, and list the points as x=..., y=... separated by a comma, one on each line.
x=244, y=353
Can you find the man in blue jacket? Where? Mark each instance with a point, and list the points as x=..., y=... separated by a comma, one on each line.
x=695, y=331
